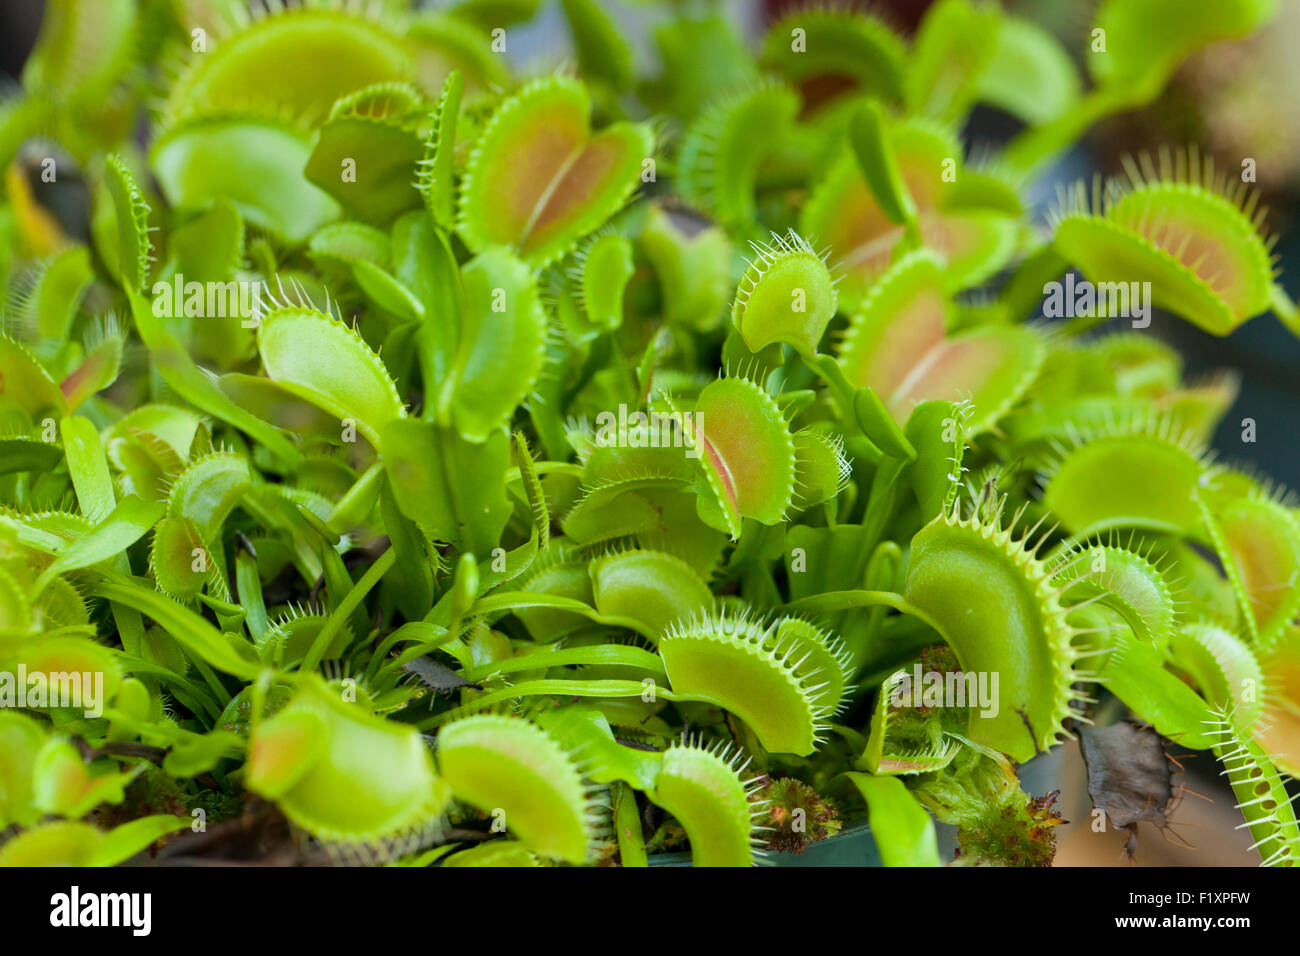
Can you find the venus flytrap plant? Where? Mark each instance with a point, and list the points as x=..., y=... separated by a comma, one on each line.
x=973, y=238
x=480, y=515
x=898, y=345
x=784, y=679
x=723, y=149
x=581, y=178
x=1258, y=543
x=1125, y=581
x=702, y=788
x=904, y=742
x=654, y=588
x=514, y=769
x=997, y=823
x=373, y=128
x=318, y=756
x=748, y=457
x=976, y=574
x=786, y=295
x=68, y=843
x=1170, y=466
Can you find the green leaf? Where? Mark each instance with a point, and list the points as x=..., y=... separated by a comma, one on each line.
x=1145, y=40
x=954, y=46
x=131, y=215
x=454, y=489
x=83, y=48
x=60, y=286
x=1134, y=671
x=575, y=179
x=992, y=601
x=1030, y=75
x=255, y=164
x=879, y=165
x=293, y=63
x=725, y=147
x=210, y=247
x=199, y=638
x=786, y=295
x=693, y=268
x=424, y=263
x=318, y=358
x=1174, y=225
x=436, y=175
x=26, y=385
x=121, y=843
x=972, y=240
x=936, y=431
x=502, y=337
x=105, y=346
x=653, y=588
x=442, y=44
x=703, y=790
x=342, y=774
x=414, y=567
x=68, y=843
x=495, y=762
x=837, y=53
x=878, y=425
x=602, y=52
x=365, y=156
x=27, y=454
x=64, y=785
x=744, y=445
x=898, y=344
x=126, y=525
x=180, y=372
x=606, y=268
x=386, y=292
x=903, y=830
x=87, y=467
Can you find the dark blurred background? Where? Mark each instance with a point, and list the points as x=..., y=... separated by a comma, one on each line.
x=19, y=20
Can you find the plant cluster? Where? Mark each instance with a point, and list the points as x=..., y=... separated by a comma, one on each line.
x=486, y=469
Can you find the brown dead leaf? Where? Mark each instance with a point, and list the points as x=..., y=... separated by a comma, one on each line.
x=1129, y=776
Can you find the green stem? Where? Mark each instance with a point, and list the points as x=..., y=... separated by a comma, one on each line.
x=627, y=825
x=340, y=614
x=515, y=600
x=1285, y=309
x=833, y=601
x=828, y=370
x=541, y=688
x=548, y=468
x=210, y=678
x=358, y=501
x=610, y=655
x=139, y=665
x=248, y=584
x=430, y=635
x=1029, y=152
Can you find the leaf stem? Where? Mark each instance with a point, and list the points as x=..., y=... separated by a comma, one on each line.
x=832, y=601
